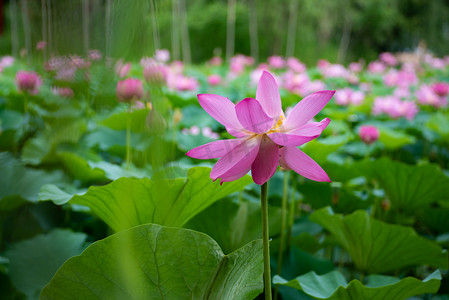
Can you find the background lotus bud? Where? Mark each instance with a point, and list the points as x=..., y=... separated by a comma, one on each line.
x=41, y=45
x=155, y=73
x=129, y=89
x=214, y=79
x=28, y=81
x=368, y=134
x=177, y=116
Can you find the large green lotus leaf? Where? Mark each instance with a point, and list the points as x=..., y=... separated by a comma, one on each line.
x=17, y=180
x=137, y=120
x=33, y=262
x=378, y=247
x=156, y=262
x=408, y=187
x=128, y=202
x=232, y=224
x=393, y=139
x=333, y=286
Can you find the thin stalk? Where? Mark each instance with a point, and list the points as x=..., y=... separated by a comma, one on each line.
x=283, y=224
x=128, y=137
x=25, y=103
x=266, y=241
x=291, y=213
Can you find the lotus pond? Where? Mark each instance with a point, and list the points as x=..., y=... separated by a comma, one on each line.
x=98, y=199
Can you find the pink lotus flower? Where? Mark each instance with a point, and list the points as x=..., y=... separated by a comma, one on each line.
x=129, y=89
x=388, y=58
x=426, y=96
x=355, y=67
x=376, y=67
x=295, y=65
x=162, y=55
x=155, y=73
x=214, y=79
x=122, y=69
x=441, y=88
x=394, y=107
x=348, y=96
x=65, y=92
x=28, y=81
x=216, y=61
x=368, y=134
x=276, y=62
x=265, y=137
x=41, y=45
x=95, y=54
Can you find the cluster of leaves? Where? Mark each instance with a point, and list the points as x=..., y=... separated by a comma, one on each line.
x=76, y=221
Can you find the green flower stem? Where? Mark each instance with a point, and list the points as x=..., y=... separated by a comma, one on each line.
x=266, y=241
x=291, y=212
x=25, y=103
x=283, y=224
x=128, y=137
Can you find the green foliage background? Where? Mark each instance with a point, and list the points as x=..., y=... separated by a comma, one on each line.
x=373, y=26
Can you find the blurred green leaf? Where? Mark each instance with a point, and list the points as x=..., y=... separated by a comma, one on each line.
x=333, y=286
x=394, y=139
x=127, y=202
x=137, y=120
x=233, y=224
x=378, y=247
x=439, y=122
x=151, y=261
x=408, y=187
x=33, y=262
x=17, y=180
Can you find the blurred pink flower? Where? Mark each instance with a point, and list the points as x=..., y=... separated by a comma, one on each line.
x=79, y=62
x=295, y=65
x=355, y=67
x=162, y=55
x=239, y=62
x=216, y=61
x=41, y=45
x=322, y=63
x=441, y=88
x=194, y=130
x=155, y=73
x=28, y=81
x=276, y=62
x=426, y=96
x=7, y=61
x=368, y=134
x=388, y=59
x=122, y=69
x=376, y=67
x=214, y=79
x=335, y=70
x=181, y=83
x=95, y=54
x=348, y=96
x=394, y=107
x=66, y=73
x=65, y=92
x=265, y=138
x=129, y=89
